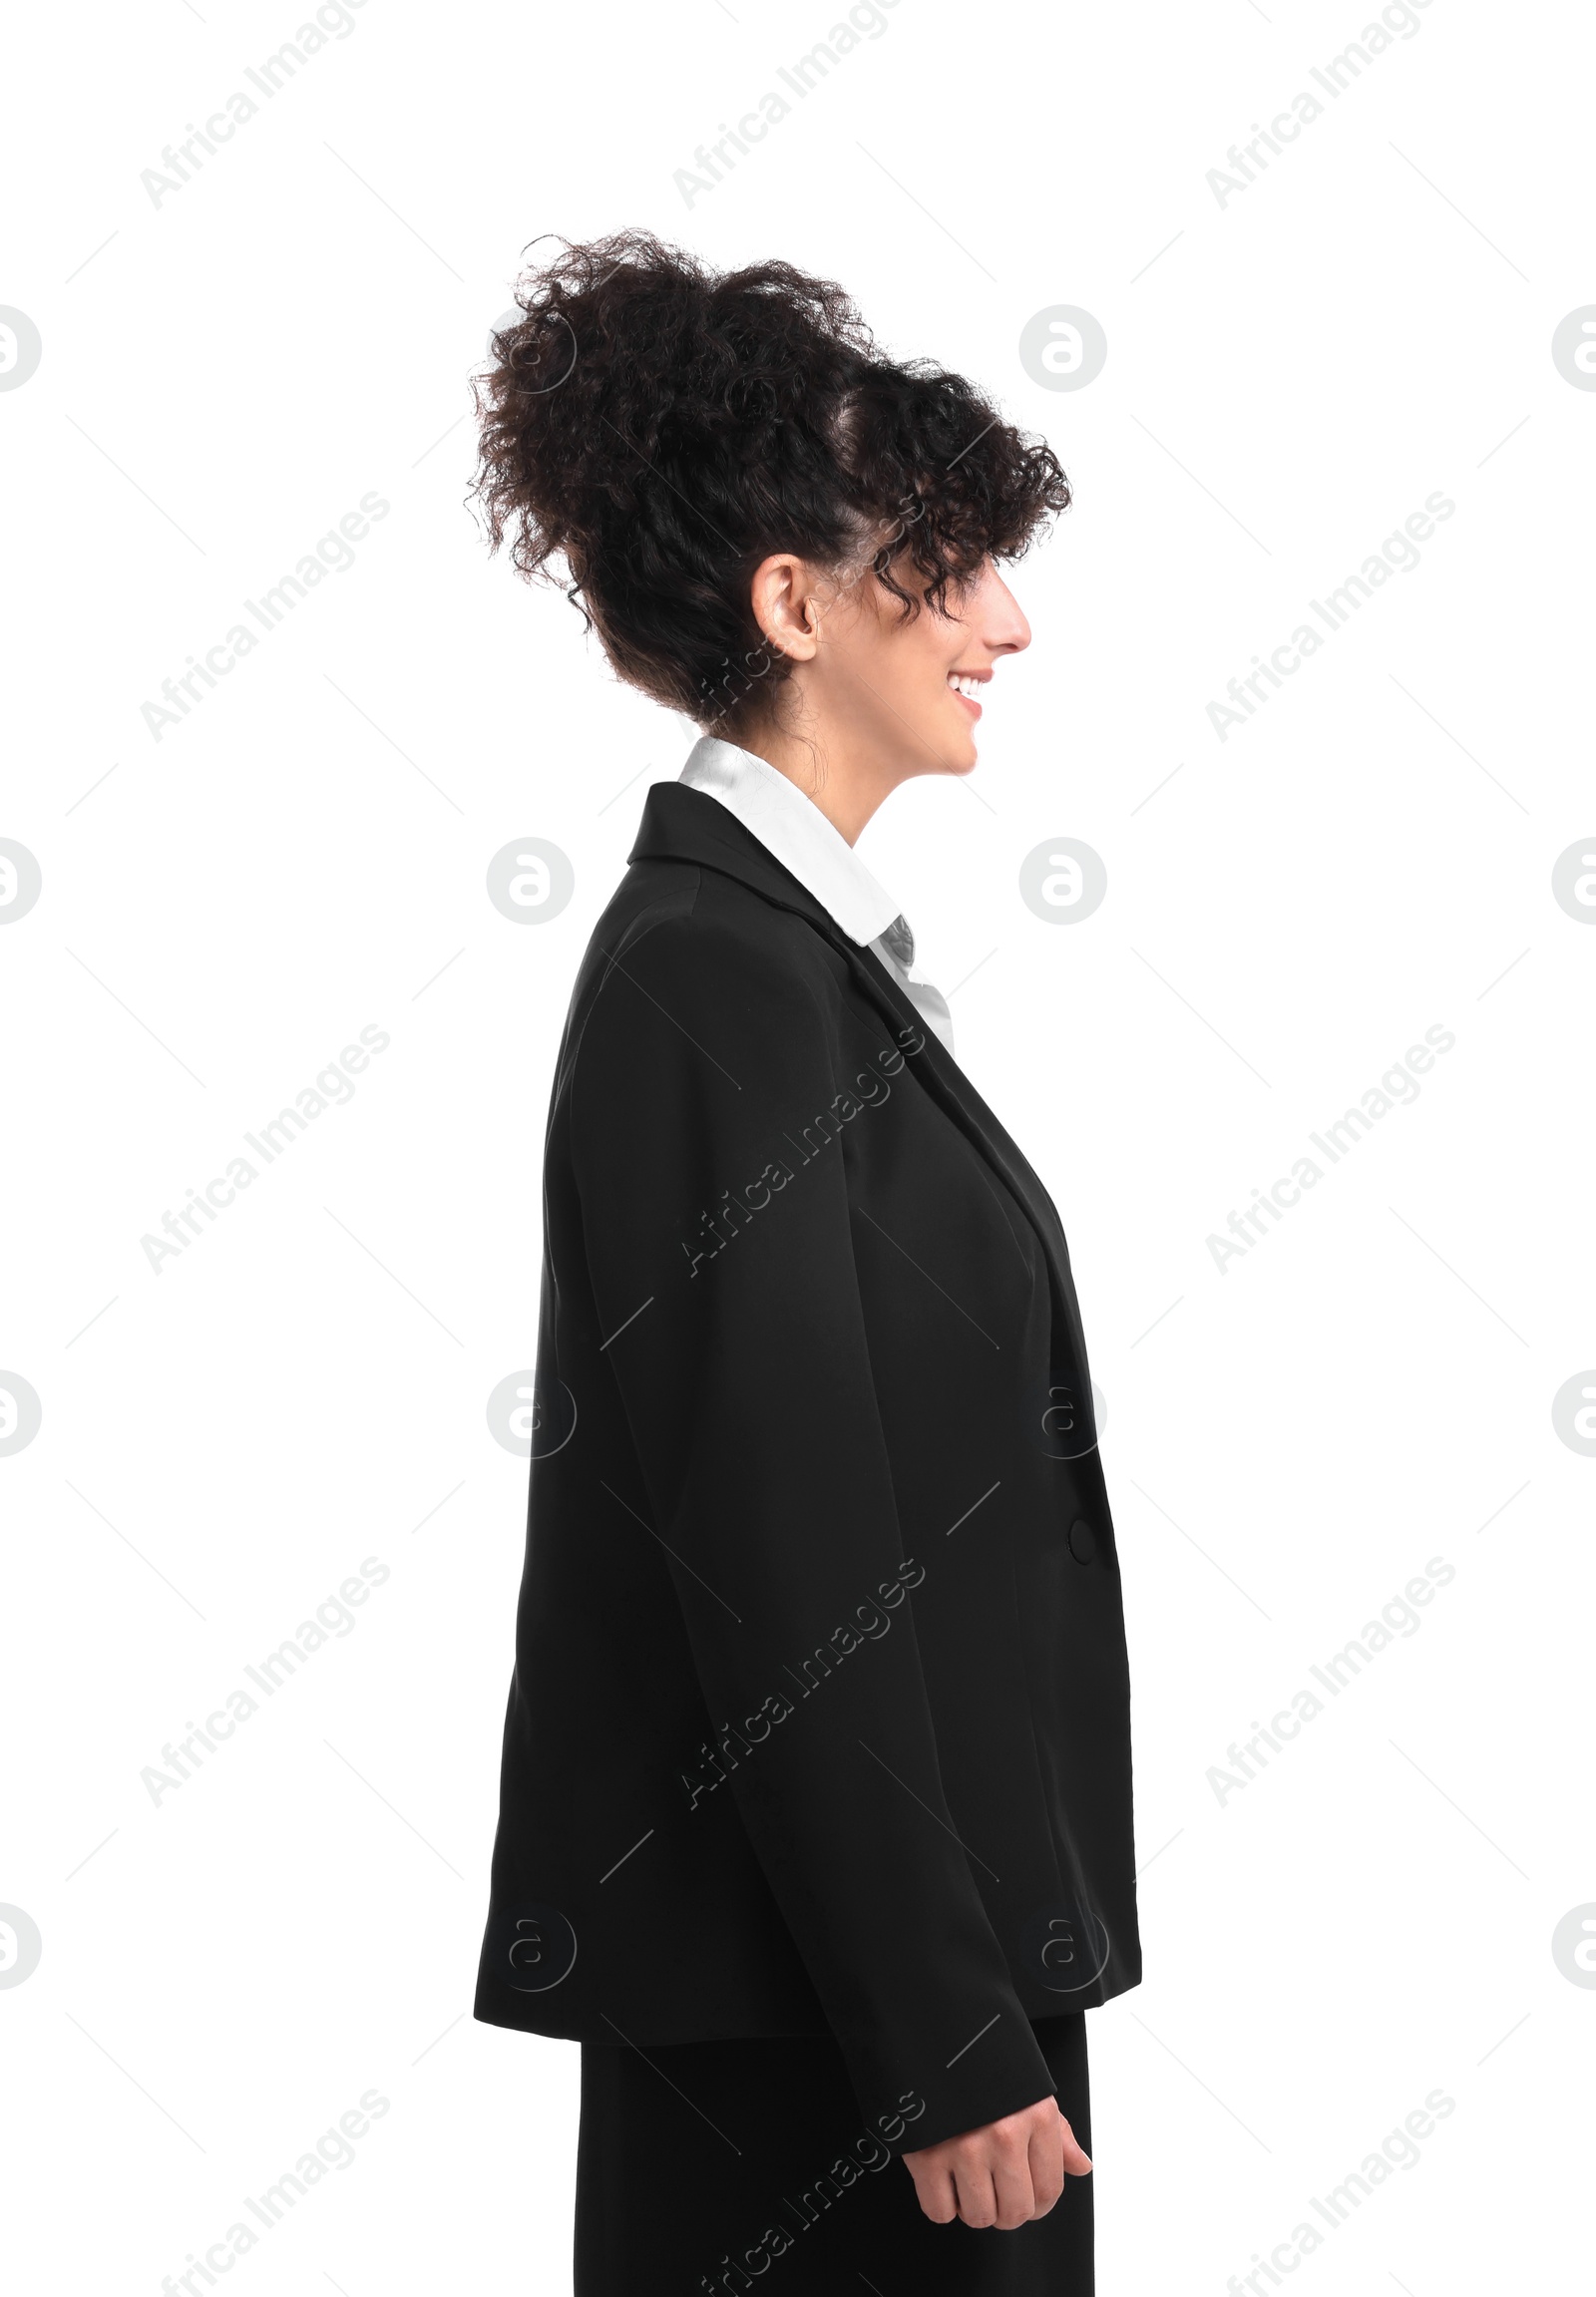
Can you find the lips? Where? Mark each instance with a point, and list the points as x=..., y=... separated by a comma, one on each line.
x=964, y=686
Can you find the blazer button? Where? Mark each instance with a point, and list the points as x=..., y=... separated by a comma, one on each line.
x=1081, y=1544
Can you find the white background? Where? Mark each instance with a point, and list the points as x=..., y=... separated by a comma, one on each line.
x=1288, y=1442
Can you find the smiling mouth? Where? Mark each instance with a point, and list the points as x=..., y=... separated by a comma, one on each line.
x=965, y=685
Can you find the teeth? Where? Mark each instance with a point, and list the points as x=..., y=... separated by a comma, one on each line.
x=967, y=686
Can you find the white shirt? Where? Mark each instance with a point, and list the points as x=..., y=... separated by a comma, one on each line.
x=792, y=827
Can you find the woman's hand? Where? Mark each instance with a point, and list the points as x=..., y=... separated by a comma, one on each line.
x=1003, y=2175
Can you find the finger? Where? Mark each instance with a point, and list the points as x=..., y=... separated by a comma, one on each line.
x=1047, y=2167
x=934, y=2189
x=1011, y=2177
x=978, y=2205
x=1076, y=2160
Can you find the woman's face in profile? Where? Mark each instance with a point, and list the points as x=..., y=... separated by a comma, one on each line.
x=916, y=688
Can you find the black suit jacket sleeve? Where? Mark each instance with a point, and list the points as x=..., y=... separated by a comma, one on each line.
x=711, y=1147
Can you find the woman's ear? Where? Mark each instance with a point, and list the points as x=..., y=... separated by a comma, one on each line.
x=784, y=606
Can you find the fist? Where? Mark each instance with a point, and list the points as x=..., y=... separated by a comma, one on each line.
x=1003, y=2174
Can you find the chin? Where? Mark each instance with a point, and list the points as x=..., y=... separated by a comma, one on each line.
x=946, y=749
x=956, y=744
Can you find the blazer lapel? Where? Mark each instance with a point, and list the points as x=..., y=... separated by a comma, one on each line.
x=688, y=824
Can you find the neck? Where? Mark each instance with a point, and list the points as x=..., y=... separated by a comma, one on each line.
x=836, y=774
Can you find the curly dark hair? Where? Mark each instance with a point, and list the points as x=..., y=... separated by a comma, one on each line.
x=661, y=428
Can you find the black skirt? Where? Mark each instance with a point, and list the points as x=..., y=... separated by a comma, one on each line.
x=731, y=2167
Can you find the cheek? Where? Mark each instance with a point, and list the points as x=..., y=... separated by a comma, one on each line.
x=907, y=664
x=934, y=648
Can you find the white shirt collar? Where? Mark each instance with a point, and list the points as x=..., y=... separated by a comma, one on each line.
x=792, y=827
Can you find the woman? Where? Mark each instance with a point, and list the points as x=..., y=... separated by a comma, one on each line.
x=815, y=1825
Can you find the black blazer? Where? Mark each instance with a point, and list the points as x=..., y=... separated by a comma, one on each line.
x=820, y=1716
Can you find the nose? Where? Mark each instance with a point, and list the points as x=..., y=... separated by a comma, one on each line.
x=996, y=620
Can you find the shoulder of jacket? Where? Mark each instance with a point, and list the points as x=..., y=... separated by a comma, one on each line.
x=706, y=929
x=695, y=949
